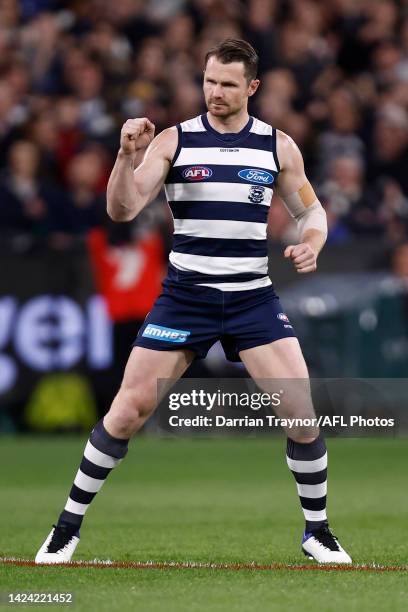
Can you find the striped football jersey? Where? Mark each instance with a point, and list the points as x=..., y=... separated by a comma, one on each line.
x=219, y=189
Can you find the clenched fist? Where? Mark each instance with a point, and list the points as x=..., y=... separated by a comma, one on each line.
x=303, y=257
x=136, y=134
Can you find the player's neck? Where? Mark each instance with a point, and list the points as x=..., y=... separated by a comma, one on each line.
x=230, y=124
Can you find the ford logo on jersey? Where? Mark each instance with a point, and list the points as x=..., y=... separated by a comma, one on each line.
x=256, y=176
x=157, y=332
x=197, y=173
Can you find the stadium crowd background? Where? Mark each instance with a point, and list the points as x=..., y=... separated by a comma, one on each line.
x=334, y=76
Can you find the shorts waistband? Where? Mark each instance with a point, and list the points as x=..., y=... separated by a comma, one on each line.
x=174, y=287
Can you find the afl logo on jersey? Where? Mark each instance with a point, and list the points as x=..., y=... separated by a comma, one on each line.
x=256, y=176
x=197, y=173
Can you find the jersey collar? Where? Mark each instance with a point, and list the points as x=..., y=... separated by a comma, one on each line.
x=228, y=136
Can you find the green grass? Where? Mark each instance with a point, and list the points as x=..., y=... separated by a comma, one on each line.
x=223, y=501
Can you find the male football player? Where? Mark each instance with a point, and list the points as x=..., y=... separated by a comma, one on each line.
x=219, y=171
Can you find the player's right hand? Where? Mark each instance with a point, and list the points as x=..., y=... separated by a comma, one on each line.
x=136, y=134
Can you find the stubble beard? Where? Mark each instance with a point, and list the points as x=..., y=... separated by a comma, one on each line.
x=224, y=111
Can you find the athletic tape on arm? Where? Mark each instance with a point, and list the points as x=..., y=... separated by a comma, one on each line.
x=304, y=206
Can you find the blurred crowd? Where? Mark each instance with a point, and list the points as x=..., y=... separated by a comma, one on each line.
x=334, y=75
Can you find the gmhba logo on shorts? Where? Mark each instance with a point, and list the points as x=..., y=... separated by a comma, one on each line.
x=256, y=176
x=197, y=173
x=158, y=332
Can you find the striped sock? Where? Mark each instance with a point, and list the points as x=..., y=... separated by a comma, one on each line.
x=308, y=463
x=102, y=453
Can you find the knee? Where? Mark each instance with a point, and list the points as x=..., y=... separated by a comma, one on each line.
x=130, y=409
x=138, y=399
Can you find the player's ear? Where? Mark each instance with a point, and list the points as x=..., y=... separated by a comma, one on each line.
x=253, y=86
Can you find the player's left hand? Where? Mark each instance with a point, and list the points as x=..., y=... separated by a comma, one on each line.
x=303, y=256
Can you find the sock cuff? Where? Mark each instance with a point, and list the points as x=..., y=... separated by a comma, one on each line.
x=308, y=451
x=104, y=442
x=71, y=521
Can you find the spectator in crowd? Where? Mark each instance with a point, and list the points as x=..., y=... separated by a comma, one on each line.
x=26, y=201
x=347, y=205
x=389, y=154
x=86, y=181
x=341, y=135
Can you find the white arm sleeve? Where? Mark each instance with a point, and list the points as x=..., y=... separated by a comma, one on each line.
x=314, y=217
x=310, y=217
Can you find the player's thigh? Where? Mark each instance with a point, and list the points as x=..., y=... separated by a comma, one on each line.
x=147, y=372
x=280, y=359
x=147, y=365
x=280, y=366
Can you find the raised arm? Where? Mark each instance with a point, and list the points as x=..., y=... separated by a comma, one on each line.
x=140, y=169
x=300, y=199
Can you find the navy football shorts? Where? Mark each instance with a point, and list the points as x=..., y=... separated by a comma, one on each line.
x=196, y=317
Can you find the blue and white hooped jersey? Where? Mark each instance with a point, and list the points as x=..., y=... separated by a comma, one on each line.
x=219, y=189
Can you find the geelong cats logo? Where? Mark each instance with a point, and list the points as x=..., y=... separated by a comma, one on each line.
x=256, y=194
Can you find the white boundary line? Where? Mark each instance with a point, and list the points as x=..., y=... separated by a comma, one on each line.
x=105, y=563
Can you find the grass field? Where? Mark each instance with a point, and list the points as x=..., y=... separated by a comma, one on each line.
x=208, y=501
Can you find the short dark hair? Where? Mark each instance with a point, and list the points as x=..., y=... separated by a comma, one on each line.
x=236, y=50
